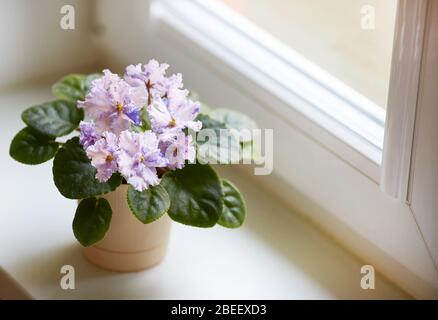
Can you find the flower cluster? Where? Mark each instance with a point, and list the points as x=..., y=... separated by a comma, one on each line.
x=111, y=135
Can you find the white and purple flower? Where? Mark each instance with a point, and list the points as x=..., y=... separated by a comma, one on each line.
x=104, y=154
x=178, y=149
x=112, y=139
x=150, y=76
x=113, y=104
x=88, y=135
x=139, y=156
x=168, y=116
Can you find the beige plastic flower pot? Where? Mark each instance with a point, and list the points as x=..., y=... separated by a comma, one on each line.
x=129, y=245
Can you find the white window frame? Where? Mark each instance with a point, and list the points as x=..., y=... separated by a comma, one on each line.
x=351, y=118
x=403, y=98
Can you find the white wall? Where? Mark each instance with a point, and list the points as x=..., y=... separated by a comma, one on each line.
x=33, y=45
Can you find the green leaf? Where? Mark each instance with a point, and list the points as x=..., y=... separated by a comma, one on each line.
x=30, y=147
x=92, y=220
x=74, y=87
x=145, y=122
x=234, y=210
x=195, y=195
x=53, y=119
x=218, y=144
x=234, y=120
x=149, y=204
x=74, y=175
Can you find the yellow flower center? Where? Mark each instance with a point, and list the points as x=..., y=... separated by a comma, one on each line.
x=109, y=158
x=172, y=123
x=119, y=107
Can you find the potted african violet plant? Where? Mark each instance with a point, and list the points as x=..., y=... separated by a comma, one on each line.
x=133, y=166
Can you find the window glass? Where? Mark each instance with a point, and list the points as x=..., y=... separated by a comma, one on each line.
x=350, y=39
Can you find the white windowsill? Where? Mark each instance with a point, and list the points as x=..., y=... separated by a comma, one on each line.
x=273, y=256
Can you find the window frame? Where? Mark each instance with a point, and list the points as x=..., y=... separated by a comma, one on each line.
x=396, y=173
